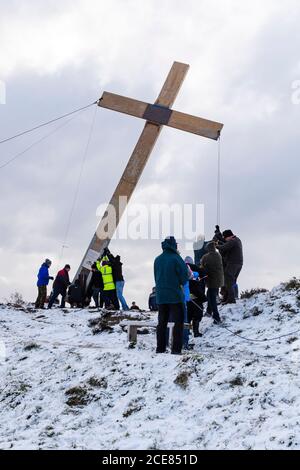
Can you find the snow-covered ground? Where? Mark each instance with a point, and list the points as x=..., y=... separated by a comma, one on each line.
x=63, y=387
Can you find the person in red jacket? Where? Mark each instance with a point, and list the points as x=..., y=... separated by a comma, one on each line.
x=60, y=286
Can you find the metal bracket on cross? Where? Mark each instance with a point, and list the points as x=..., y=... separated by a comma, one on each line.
x=157, y=114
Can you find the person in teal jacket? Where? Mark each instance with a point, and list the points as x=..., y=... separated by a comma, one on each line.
x=171, y=274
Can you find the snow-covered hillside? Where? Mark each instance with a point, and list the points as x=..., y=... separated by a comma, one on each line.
x=62, y=386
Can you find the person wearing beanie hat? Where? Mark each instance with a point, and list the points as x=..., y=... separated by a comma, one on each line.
x=212, y=263
x=170, y=241
x=188, y=260
x=42, y=283
x=232, y=254
x=171, y=274
x=227, y=234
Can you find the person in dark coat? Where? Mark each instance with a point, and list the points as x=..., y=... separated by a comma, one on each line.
x=232, y=253
x=96, y=286
x=75, y=295
x=42, y=283
x=118, y=277
x=152, y=301
x=212, y=263
x=135, y=307
x=60, y=286
x=171, y=274
x=218, y=239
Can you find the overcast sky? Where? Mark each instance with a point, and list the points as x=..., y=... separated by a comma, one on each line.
x=59, y=55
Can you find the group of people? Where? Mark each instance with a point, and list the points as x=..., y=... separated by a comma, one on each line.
x=60, y=285
x=107, y=282
x=183, y=287
x=105, y=287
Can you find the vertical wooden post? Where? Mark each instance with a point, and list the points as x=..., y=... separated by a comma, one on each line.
x=134, y=168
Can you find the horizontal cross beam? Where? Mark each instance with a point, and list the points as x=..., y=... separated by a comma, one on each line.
x=161, y=115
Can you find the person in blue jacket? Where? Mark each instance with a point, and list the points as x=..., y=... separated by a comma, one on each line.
x=152, y=301
x=42, y=283
x=171, y=274
x=187, y=299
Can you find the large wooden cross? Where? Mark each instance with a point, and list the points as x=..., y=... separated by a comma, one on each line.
x=156, y=115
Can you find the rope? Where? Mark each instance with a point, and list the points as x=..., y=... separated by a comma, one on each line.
x=219, y=183
x=35, y=143
x=46, y=123
x=250, y=340
x=78, y=185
